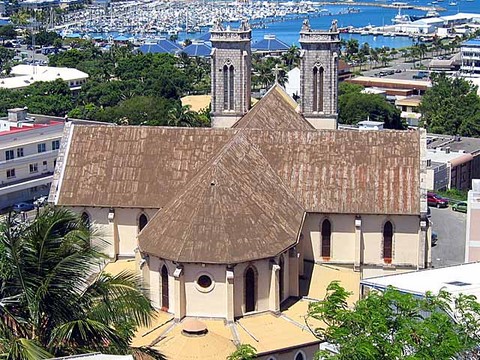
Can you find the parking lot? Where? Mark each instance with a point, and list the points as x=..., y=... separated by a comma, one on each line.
x=450, y=228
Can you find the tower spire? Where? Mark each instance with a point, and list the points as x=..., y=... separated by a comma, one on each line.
x=319, y=75
x=231, y=73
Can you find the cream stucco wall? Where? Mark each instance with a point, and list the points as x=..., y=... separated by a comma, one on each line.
x=200, y=302
x=307, y=351
x=121, y=233
x=406, y=236
x=406, y=239
x=155, y=266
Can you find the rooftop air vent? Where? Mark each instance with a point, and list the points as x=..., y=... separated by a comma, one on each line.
x=193, y=327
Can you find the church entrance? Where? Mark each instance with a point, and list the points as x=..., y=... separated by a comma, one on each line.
x=250, y=296
x=164, y=276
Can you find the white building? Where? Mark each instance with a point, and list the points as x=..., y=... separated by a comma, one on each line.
x=454, y=279
x=470, y=56
x=370, y=125
x=25, y=75
x=28, y=152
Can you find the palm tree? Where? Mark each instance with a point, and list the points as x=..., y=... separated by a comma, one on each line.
x=53, y=302
x=182, y=116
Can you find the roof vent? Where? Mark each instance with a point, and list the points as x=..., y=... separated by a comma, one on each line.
x=194, y=327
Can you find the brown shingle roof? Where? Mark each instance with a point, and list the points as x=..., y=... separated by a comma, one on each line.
x=134, y=166
x=334, y=171
x=275, y=111
x=226, y=213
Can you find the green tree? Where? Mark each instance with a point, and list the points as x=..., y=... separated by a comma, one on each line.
x=355, y=106
x=8, y=32
x=451, y=106
x=53, y=303
x=396, y=325
x=243, y=352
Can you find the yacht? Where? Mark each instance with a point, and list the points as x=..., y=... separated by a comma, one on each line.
x=401, y=19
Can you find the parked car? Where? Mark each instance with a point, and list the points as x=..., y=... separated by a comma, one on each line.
x=460, y=206
x=23, y=206
x=434, y=238
x=41, y=201
x=436, y=200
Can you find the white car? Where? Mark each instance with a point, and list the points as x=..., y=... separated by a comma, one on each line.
x=41, y=201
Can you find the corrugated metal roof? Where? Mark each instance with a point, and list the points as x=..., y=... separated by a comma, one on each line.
x=331, y=171
x=275, y=111
x=236, y=209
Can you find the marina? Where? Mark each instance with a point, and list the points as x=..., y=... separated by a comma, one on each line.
x=147, y=21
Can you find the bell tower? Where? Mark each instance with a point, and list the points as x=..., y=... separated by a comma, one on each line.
x=319, y=75
x=231, y=73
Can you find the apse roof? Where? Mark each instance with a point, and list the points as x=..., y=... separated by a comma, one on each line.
x=235, y=209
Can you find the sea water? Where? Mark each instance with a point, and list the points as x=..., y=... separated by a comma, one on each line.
x=288, y=30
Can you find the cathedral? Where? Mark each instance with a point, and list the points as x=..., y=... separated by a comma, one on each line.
x=235, y=228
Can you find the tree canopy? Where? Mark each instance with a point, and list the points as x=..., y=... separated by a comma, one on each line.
x=355, y=106
x=53, y=302
x=394, y=325
x=451, y=106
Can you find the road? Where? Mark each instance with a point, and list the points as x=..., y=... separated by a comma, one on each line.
x=450, y=227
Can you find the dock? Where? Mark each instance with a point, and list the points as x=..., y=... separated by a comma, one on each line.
x=376, y=4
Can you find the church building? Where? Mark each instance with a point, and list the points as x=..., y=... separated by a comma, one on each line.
x=233, y=224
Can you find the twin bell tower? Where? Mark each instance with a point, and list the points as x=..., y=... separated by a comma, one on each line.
x=232, y=68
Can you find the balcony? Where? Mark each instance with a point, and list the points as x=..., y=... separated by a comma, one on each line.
x=18, y=185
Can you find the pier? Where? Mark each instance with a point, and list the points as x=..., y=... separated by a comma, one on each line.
x=376, y=4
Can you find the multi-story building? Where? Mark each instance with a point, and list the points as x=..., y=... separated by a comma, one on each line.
x=28, y=152
x=470, y=55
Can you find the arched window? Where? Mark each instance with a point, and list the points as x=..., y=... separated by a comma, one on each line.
x=326, y=238
x=281, y=276
x=85, y=218
x=300, y=356
x=164, y=279
x=250, y=290
x=228, y=87
x=142, y=222
x=387, y=242
x=318, y=73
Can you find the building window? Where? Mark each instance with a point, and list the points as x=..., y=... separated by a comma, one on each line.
x=45, y=166
x=9, y=155
x=142, y=222
x=85, y=219
x=10, y=173
x=250, y=289
x=318, y=89
x=387, y=242
x=41, y=148
x=164, y=288
x=20, y=152
x=205, y=283
x=55, y=144
x=33, y=168
x=326, y=238
x=228, y=87
x=300, y=356
x=55, y=163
